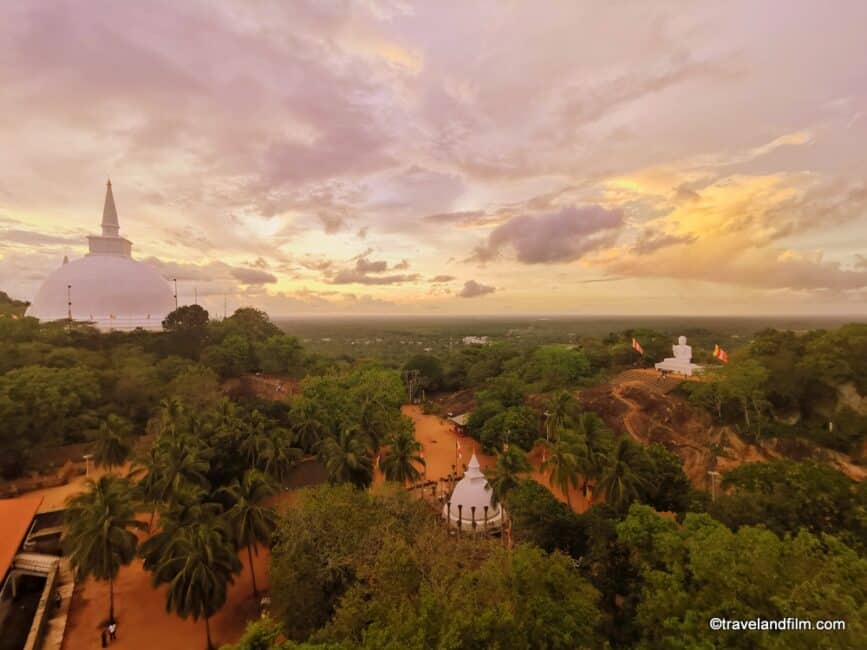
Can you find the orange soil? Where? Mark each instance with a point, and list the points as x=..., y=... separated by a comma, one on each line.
x=142, y=620
x=55, y=498
x=144, y=624
x=439, y=439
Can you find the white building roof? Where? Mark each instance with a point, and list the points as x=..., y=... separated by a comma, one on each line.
x=472, y=490
x=107, y=286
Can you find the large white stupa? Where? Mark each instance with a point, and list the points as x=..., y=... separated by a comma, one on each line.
x=472, y=501
x=106, y=287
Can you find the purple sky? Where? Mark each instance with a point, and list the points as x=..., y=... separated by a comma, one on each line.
x=446, y=157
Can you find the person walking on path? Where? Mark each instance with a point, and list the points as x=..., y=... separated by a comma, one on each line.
x=112, y=631
x=104, y=638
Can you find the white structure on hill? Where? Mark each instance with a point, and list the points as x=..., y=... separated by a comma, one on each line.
x=681, y=362
x=470, y=508
x=106, y=287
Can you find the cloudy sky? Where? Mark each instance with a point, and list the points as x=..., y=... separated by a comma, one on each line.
x=446, y=157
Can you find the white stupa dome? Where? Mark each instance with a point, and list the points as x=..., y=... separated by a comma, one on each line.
x=473, y=491
x=106, y=287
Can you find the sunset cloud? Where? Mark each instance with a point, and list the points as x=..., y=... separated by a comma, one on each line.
x=254, y=148
x=473, y=289
x=563, y=236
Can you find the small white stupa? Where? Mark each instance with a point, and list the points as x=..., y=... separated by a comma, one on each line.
x=471, y=501
x=681, y=362
x=107, y=287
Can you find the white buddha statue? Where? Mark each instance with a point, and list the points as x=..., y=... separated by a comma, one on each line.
x=681, y=361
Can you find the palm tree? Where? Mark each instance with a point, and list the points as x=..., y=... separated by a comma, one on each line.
x=596, y=449
x=112, y=442
x=347, y=457
x=563, y=464
x=189, y=507
x=99, y=531
x=620, y=482
x=403, y=454
x=255, y=440
x=198, y=565
x=251, y=522
x=560, y=408
x=171, y=412
x=278, y=456
x=307, y=424
x=182, y=461
x=149, y=487
x=504, y=477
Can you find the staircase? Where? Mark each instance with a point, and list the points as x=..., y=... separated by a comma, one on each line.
x=56, y=624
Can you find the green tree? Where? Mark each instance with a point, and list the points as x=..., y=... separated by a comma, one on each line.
x=562, y=407
x=505, y=476
x=281, y=354
x=307, y=423
x=328, y=539
x=231, y=357
x=190, y=506
x=621, y=481
x=557, y=366
x=743, y=381
x=99, y=535
x=198, y=565
x=700, y=570
x=113, y=444
x=187, y=330
x=347, y=458
x=403, y=454
x=251, y=522
x=562, y=463
x=430, y=370
x=597, y=444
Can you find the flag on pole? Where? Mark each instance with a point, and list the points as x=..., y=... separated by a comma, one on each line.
x=637, y=347
x=720, y=354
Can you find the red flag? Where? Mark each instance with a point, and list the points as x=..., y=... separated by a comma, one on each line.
x=637, y=347
x=720, y=354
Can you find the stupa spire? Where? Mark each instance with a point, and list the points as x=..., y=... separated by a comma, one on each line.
x=110, y=226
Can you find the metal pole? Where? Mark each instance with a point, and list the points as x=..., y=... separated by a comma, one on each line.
x=713, y=477
x=69, y=302
x=175, y=280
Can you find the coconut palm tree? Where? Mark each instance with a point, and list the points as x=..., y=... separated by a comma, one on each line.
x=505, y=475
x=561, y=407
x=399, y=461
x=307, y=424
x=189, y=507
x=255, y=439
x=251, y=522
x=620, y=482
x=563, y=464
x=170, y=415
x=112, y=442
x=181, y=461
x=596, y=448
x=198, y=565
x=278, y=456
x=99, y=531
x=347, y=457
